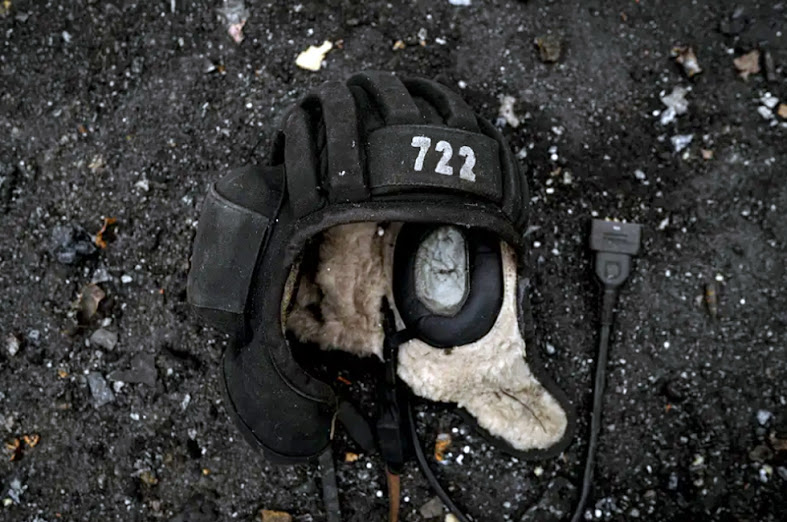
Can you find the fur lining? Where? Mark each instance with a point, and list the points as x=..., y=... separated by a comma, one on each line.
x=490, y=378
x=347, y=289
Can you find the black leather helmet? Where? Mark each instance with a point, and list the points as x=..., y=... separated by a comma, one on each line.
x=375, y=148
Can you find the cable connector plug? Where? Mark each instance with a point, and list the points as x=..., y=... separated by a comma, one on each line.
x=615, y=244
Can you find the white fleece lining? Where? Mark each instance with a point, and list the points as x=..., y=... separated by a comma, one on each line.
x=490, y=378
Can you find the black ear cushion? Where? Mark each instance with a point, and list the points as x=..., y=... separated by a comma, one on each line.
x=289, y=421
x=482, y=305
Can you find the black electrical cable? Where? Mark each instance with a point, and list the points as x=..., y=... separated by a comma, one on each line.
x=614, y=243
x=330, y=491
x=598, y=399
x=427, y=471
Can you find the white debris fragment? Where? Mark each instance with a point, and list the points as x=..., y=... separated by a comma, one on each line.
x=12, y=345
x=234, y=14
x=185, y=402
x=763, y=416
x=769, y=100
x=681, y=141
x=126, y=279
x=765, y=112
x=676, y=104
x=639, y=174
x=142, y=184
x=507, y=110
x=460, y=3
x=311, y=59
x=663, y=223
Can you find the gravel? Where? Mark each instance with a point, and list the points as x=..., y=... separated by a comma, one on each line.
x=130, y=87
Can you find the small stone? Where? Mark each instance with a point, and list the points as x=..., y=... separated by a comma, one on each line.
x=675, y=390
x=433, y=508
x=450, y=517
x=70, y=244
x=760, y=453
x=549, y=48
x=639, y=174
x=104, y=338
x=782, y=471
x=551, y=349
x=688, y=60
x=769, y=100
x=506, y=111
x=748, y=64
x=782, y=111
x=101, y=393
x=769, y=66
x=765, y=112
x=12, y=345
x=126, y=279
x=311, y=59
x=681, y=141
x=763, y=416
x=275, y=516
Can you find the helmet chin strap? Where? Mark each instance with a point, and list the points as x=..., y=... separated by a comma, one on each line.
x=396, y=431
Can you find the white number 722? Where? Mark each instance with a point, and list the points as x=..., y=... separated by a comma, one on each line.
x=424, y=142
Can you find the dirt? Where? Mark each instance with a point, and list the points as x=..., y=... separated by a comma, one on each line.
x=128, y=110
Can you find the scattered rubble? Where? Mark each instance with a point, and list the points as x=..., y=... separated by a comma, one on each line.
x=87, y=302
x=748, y=64
x=676, y=103
x=267, y=515
x=681, y=141
x=506, y=111
x=71, y=244
x=688, y=60
x=104, y=338
x=311, y=59
x=441, y=445
x=234, y=15
x=12, y=344
x=763, y=416
x=433, y=508
x=549, y=48
x=712, y=299
x=107, y=232
x=99, y=390
x=735, y=23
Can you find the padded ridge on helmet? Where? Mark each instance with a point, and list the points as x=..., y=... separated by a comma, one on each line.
x=344, y=169
x=391, y=96
x=515, y=196
x=450, y=105
x=300, y=156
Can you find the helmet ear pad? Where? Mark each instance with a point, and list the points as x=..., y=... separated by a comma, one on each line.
x=483, y=297
x=279, y=407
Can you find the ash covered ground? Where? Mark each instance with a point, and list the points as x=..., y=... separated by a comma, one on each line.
x=123, y=110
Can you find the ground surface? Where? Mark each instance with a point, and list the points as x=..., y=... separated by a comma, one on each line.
x=128, y=110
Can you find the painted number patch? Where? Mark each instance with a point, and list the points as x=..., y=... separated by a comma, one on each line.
x=424, y=143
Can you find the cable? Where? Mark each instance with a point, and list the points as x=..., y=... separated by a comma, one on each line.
x=614, y=244
x=427, y=471
x=330, y=491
